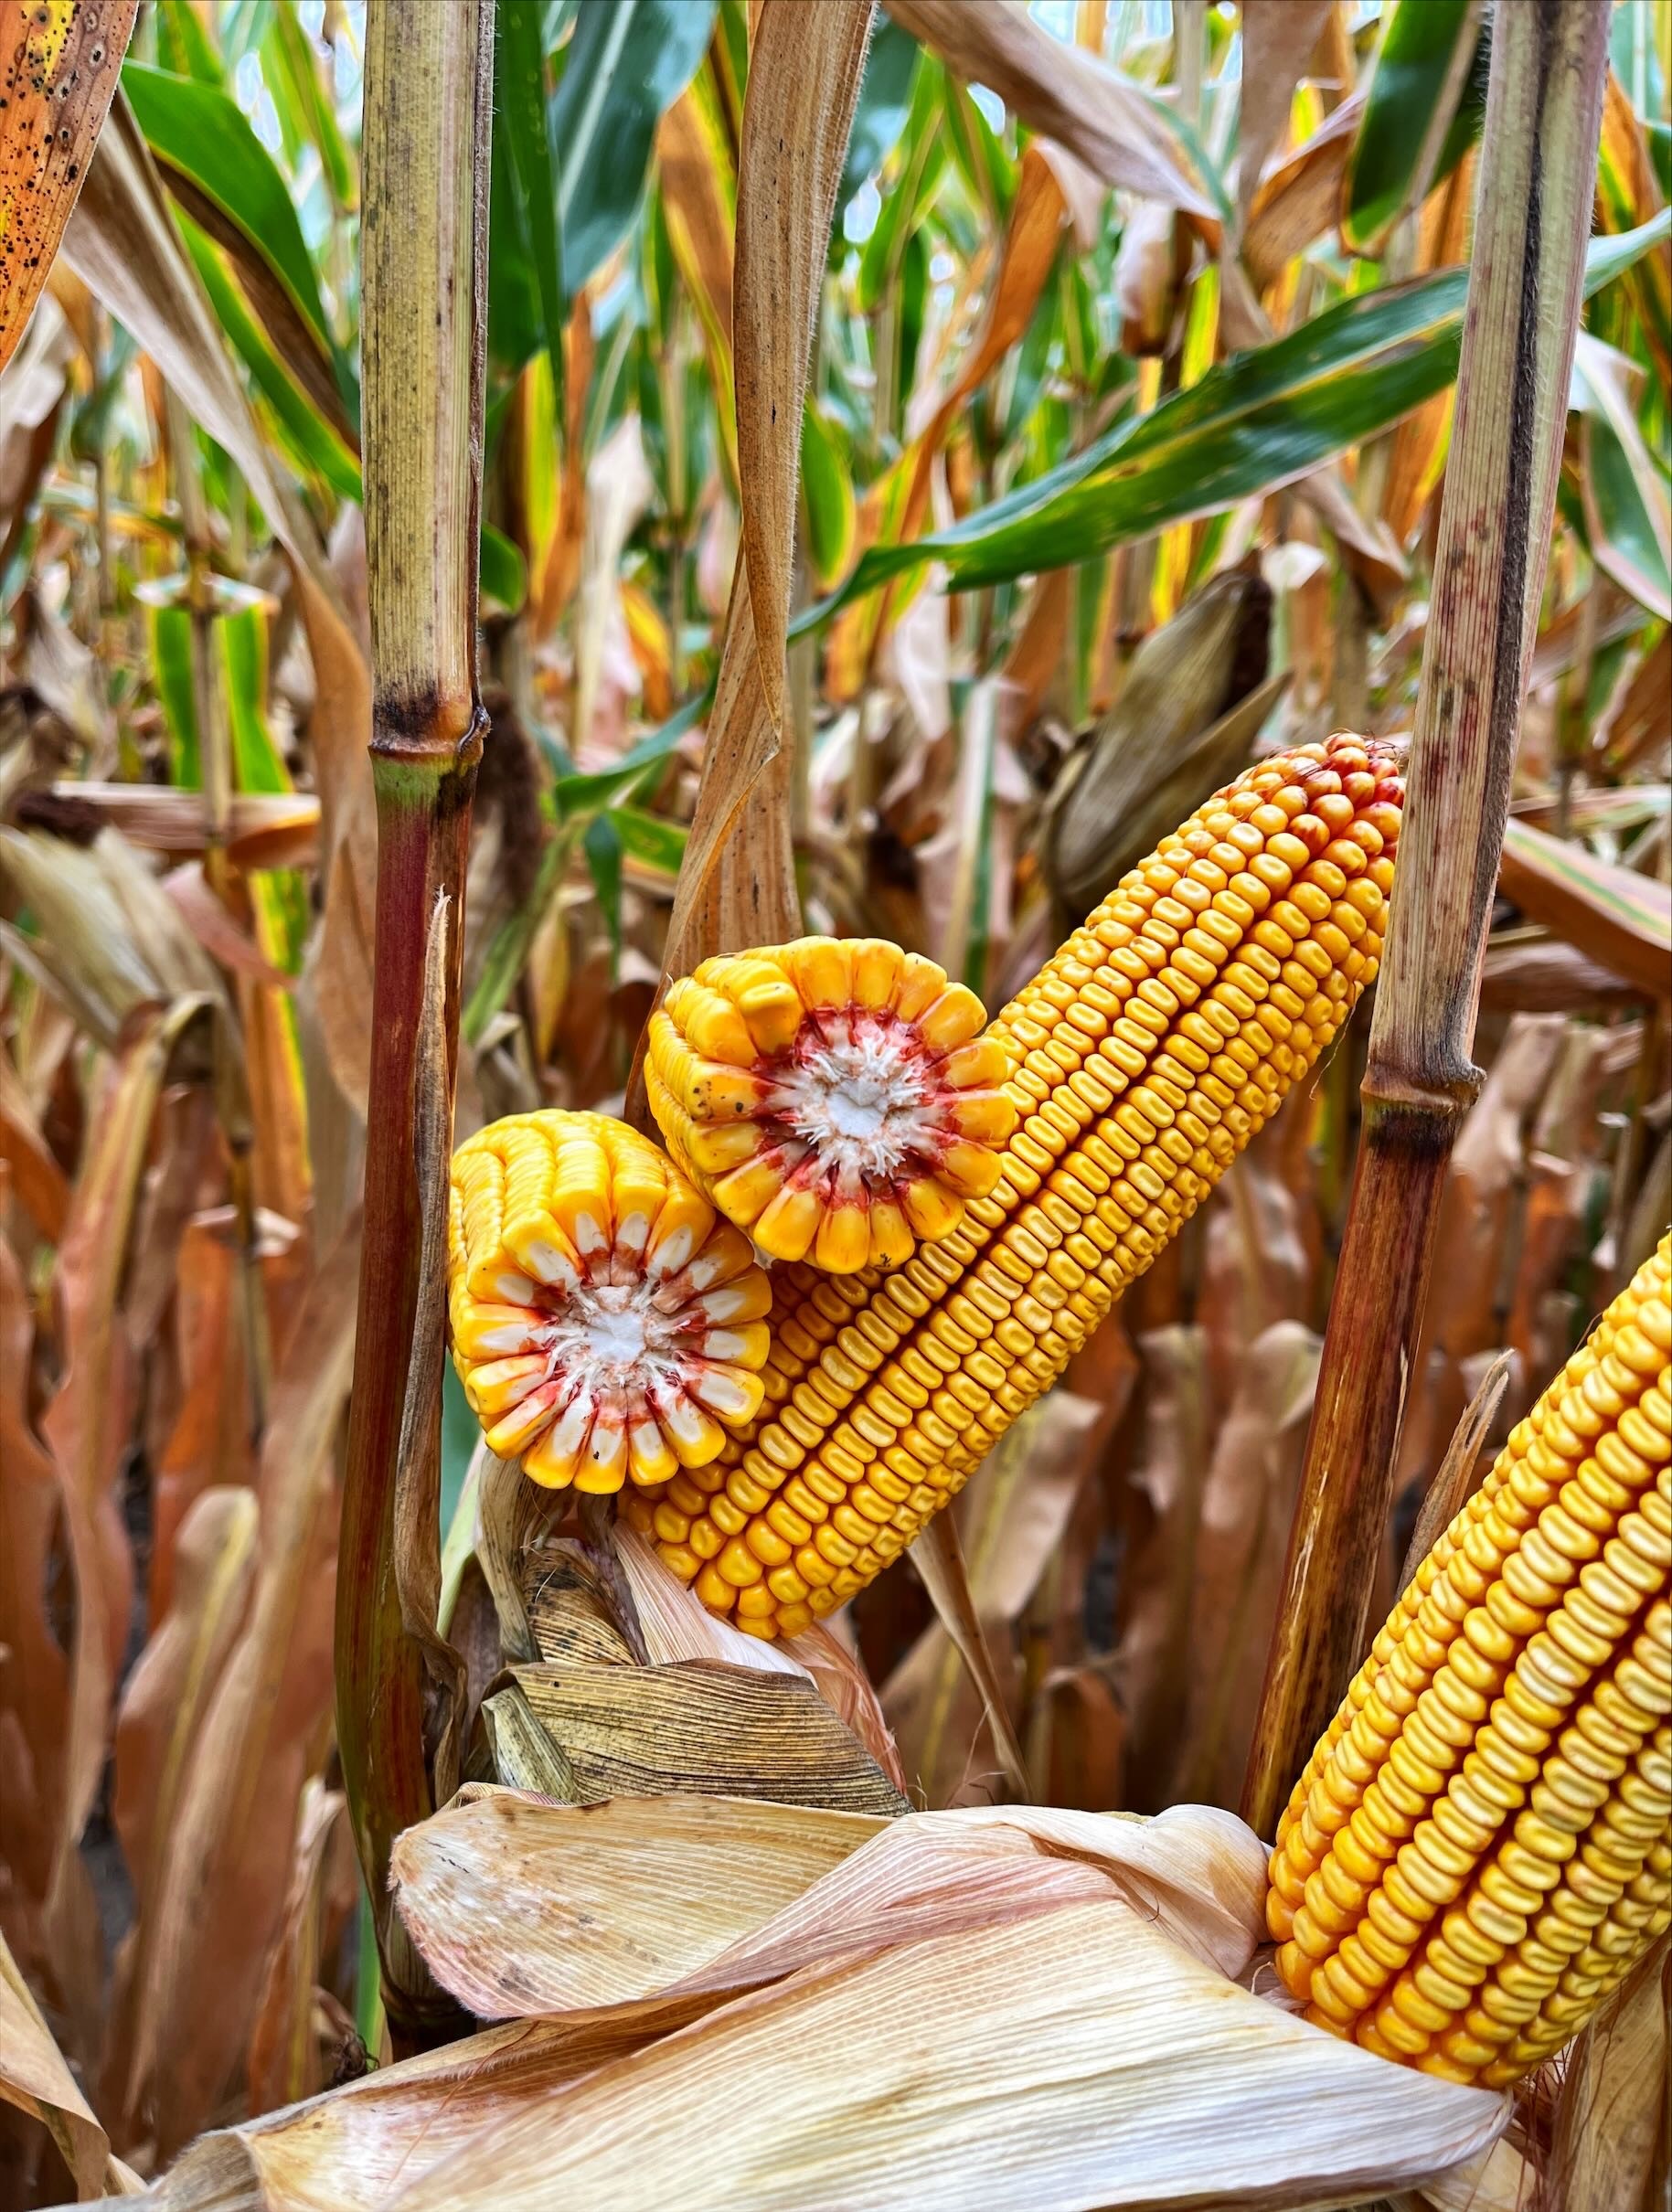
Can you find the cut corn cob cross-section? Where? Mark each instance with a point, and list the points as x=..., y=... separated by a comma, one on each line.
x=605, y=1322
x=1480, y=1848
x=830, y=1096
x=1145, y=1056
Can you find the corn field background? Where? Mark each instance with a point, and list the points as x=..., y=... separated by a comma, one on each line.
x=1120, y=465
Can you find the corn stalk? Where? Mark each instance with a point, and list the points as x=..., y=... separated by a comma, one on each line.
x=1538, y=170
x=425, y=136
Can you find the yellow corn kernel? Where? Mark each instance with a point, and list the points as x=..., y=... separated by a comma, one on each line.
x=832, y=1097
x=601, y=1314
x=1478, y=1850
x=1143, y=1058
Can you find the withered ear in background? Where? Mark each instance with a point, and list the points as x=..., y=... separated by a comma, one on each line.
x=1184, y=723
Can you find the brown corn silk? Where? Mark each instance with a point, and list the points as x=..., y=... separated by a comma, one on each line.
x=1480, y=1848
x=1163, y=1034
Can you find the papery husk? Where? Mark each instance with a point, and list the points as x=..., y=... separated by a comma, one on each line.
x=1045, y=2017
x=984, y=2008
x=520, y=1909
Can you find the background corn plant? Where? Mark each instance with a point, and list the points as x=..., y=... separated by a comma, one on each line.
x=1120, y=454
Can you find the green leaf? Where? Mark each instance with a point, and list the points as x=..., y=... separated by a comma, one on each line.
x=313, y=444
x=171, y=666
x=202, y=135
x=503, y=572
x=1659, y=138
x=603, y=847
x=827, y=498
x=184, y=47
x=519, y=78
x=1254, y=423
x=625, y=65
x=659, y=844
x=885, y=101
x=297, y=68
x=580, y=795
x=921, y=156
x=1418, y=50
x=1627, y=501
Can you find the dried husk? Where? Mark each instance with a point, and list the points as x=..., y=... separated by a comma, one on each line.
x=980, y=2009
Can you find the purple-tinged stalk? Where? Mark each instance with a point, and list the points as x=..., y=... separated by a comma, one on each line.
x=428, y=115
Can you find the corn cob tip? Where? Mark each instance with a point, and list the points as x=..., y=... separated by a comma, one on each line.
x=1143, y=1056
x=1480, y=1848
x=605, y=1324
x=832, y=1096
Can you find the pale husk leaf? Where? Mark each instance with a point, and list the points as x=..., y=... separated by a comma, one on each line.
x=982, y=2008
x=1069, y=2059
x=520, y=1906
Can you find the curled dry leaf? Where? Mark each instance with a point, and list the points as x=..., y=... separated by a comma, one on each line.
x=1245, y=1510
x=230, y=1862
x=35, y=1681
x=519, y=1908
x=1300, y=199
x=1610, y=2134
x=1082, y=2053
x=34, y=2078
x=1062, y=92
x=1278, y=37
x=263, y=829
x=285, y=2052
x=85, y=1427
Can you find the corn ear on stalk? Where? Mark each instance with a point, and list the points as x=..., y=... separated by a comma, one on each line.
x=830, y=1096
x=1144, y=1058
x=1480, y=1848
x=605, y=1322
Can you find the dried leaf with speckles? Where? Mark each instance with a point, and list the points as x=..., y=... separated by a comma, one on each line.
x=60, y=60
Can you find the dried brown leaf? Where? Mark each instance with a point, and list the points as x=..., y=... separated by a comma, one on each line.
x=37, y=1180
x=1246, y=1501
x=1278, y=37
x=699, y=1725
x=264, y=829
x=35, y=1678
x=34, y=2078
x=1061, y=92
x=1609, y=2148
x=1615, y=916
x=285, y=2060
x=229, y=1858
x=1297, y=202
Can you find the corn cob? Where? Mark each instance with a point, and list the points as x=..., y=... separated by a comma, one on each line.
x=1144, y=1058
x=601, y=1316
x=832, y=1097
x=1481, y=1847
